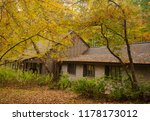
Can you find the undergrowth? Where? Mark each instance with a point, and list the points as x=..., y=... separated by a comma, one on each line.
x=19, y=78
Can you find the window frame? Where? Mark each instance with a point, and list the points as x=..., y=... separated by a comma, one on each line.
x=71, y=68
x=113, y=72
x=88, y=70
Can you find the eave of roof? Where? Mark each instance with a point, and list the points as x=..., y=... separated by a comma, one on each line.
x=140, y=54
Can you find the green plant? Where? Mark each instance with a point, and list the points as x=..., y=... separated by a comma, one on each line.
x=145, y=91
x=106, y=88
x=145, y=86
x=44, y=79
x=100, y=87
x=10, y=77
x=122, y=90
x=25, y=78
x=7, y=76
x=94, y=88
x=53, y=85
x=64, y=82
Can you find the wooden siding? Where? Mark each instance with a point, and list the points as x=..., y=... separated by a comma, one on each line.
x=78, y=47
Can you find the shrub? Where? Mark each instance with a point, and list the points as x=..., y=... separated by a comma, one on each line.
x=64, y=82
x=43, y=80
x=145, y=89
x=10, y=77
x=53, y=85
x=100, y=88
x=94, y=88
x=7, y=76
x=122, y=90
x=108, y=89
x=25, y=78
x=85, y=87
x=145, y=86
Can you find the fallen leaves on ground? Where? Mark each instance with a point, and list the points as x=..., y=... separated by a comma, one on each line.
x=42, y=95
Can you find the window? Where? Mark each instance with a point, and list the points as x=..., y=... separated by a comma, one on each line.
x=88, y=70
x=71, y=68
x=113, y=72
x=40, y=68
x=33, y=67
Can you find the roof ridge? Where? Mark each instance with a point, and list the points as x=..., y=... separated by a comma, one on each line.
x=125, y=45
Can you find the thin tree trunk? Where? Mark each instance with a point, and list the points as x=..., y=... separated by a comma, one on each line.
x=135, y=83
x=120, y=60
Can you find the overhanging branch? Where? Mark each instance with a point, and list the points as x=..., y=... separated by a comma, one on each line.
x=58, y=43
x=120, y=60
x=114, y=32
x=16, y=45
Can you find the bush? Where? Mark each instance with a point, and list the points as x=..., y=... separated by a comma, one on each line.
x=145, y=89
x=109, y=89
x=122, y=90
x=145, y=86
x=7, y=76
x=10, y=77
x=100, y=87
x=53, y=85
x=85, y=87
x=43, y=80
x=64, y=82
x=90, y=88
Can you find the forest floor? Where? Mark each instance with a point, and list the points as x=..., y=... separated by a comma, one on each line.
x=42, y=95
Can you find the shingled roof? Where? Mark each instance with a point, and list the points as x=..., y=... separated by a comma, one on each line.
x=140, y=54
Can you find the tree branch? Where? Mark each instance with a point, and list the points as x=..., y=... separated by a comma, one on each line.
x=3, y=37
x=107, y=42
x=118, y=7
x=58, y=43
x=114, y=32
x=134, y=83
x=16, y=45
x=120, y=60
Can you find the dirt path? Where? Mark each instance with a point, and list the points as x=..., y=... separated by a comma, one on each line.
x=41, y=96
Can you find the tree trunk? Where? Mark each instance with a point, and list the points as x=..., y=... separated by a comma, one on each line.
x=135, y=83
x=134, y=80
x=116, y=56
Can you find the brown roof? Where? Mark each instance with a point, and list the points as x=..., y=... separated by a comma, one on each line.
x=140, y=54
